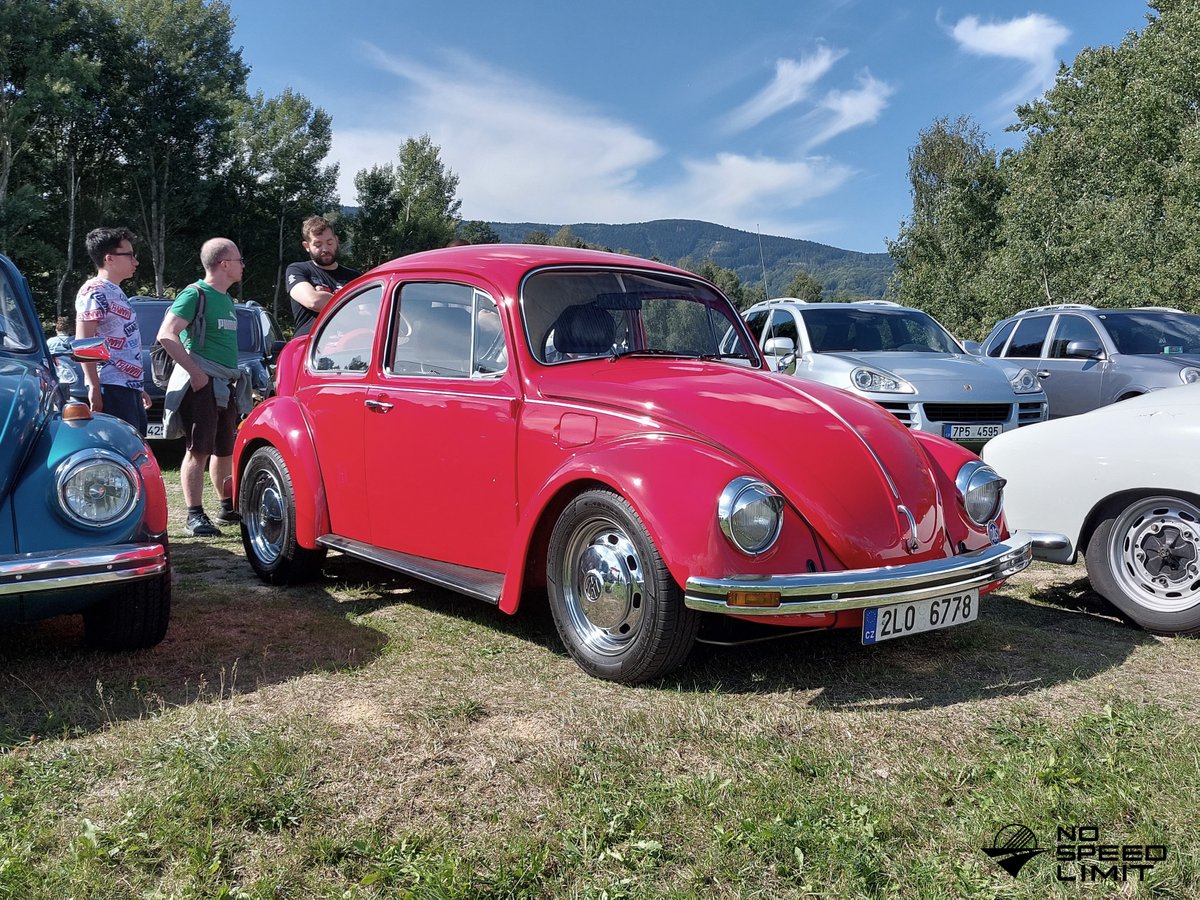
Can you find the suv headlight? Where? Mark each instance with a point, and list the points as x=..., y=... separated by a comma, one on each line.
x=750, y=513
x=1025, y=382
x=879, y=382
x=1189, y=375
x=981, y=490
x=97, y=488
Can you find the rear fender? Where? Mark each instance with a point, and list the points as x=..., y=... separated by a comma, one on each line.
x=280, y=423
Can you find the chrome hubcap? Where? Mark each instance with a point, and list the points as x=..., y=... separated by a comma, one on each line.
x=1154, y=556
x=603, y=585
x=266, y=524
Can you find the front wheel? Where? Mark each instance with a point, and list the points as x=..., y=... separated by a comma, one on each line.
x=617, y=609
x=135, y=618
x=1144, y=559
x=267, y=503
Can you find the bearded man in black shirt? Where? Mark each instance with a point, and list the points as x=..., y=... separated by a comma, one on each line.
x=311, y=284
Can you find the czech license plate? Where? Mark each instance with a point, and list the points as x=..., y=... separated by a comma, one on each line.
x=882, y=623
x=971, y=432
x=154, y=431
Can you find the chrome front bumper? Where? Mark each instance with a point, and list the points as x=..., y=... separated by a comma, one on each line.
x=826, y=592
x=57, y=570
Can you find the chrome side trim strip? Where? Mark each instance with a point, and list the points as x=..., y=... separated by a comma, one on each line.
x=55, y=570
x=478, y=583
x=822, y=592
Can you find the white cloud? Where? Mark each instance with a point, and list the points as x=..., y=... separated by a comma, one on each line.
x=524, y=153
x=1033, y=40
x=849, y=109
x=792, y=84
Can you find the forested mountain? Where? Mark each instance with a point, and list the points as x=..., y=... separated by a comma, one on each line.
x=841, y=272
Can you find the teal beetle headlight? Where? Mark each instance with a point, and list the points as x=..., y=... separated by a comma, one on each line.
x=750, y=513
x=980, y=489
x=97, y=487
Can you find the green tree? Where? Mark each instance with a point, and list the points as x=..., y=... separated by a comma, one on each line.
x=284, y=142
x=181, y=78
x=805, y=287
x=956, y=189
x=425, y=197
x=536, y=237
x=374, y=236
x=477, y=232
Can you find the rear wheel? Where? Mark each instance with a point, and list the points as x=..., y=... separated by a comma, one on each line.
x=618, y=610
x=133, y=619
x=1144, y=558
x=267, y=502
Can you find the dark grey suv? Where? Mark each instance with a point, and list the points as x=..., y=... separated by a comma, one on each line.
x=1086, y=357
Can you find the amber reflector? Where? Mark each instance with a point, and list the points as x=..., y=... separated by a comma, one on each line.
x=753, y=598
x=76, y=411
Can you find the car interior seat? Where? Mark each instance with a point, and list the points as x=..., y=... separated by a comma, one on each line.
x=585, y=329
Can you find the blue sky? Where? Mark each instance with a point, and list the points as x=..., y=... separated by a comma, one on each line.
x=793, y=118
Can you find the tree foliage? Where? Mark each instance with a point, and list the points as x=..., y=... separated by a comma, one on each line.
x=805, y=287
x=1100, y=205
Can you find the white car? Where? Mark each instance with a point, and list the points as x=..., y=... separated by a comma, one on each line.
x=1119, y=484
x=902, y=359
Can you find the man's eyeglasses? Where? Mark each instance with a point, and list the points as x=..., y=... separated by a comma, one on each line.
x=238, y=259
x=121, y=253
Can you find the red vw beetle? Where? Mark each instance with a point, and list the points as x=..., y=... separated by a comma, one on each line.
x=501, y=420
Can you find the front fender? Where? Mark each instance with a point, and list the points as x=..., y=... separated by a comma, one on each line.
x=280, y=423
x=673, y=483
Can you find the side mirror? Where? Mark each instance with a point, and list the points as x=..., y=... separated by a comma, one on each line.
x=1084, y=350
x=90, y=350
x=972, y=347
x=276, y=349
x=780, y=346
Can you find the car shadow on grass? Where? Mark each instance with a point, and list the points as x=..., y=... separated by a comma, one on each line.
x=228, y=633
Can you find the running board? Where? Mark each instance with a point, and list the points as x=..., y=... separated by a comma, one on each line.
x=478, y=583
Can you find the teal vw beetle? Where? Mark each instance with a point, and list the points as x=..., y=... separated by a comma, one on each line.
x=83, y=509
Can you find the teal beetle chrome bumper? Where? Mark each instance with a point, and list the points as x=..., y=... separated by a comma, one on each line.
x=825, y=592
x=56, y=570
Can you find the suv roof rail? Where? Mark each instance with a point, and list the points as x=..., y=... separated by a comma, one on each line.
x=874, y=302
x=1056, y=306
x=786, y=300
x=1161, y=309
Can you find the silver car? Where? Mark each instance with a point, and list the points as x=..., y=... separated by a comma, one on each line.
x=1087, y=357
x=902, y=359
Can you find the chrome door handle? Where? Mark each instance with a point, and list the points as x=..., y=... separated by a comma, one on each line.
x=1043, y=374
x=377, y=405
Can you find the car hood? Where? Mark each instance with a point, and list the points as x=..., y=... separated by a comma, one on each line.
x=971, y=377
x=842, y=462
x=20, y=415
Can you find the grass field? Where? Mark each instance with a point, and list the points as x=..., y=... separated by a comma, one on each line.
x=369, y=736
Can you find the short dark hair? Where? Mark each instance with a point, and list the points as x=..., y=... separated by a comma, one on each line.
x=313, y=226
x=62, y=325
x=102, y=241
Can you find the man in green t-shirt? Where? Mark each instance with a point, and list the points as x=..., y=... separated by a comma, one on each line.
x=208, y=408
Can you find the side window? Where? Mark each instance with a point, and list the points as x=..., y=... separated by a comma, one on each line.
x=14, y=332
x=1031, y=334
x=489, y=353
x=434, y=331
x=1071, y=328
x=348, y=336
x=755, y=322
x=783, y=324
x=996, y=347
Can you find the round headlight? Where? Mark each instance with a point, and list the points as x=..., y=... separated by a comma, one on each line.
x=1189, y=375
x=874, y=380
x=981, y=491
x=750, y=513
x=97, y=488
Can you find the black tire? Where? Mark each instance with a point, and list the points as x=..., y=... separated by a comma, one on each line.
x=267, y=503
x=1144, y=558
x=617, y=609
x=132, y=620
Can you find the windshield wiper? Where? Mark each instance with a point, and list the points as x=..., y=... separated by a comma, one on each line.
x=724, y=356
x=653, y=351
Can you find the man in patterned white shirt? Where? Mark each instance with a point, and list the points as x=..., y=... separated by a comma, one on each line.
x=103, y=310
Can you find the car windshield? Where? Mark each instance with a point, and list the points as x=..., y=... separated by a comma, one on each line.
x=1145, y=332
x=15, y=330
x=865, y=330
x=579, y=314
